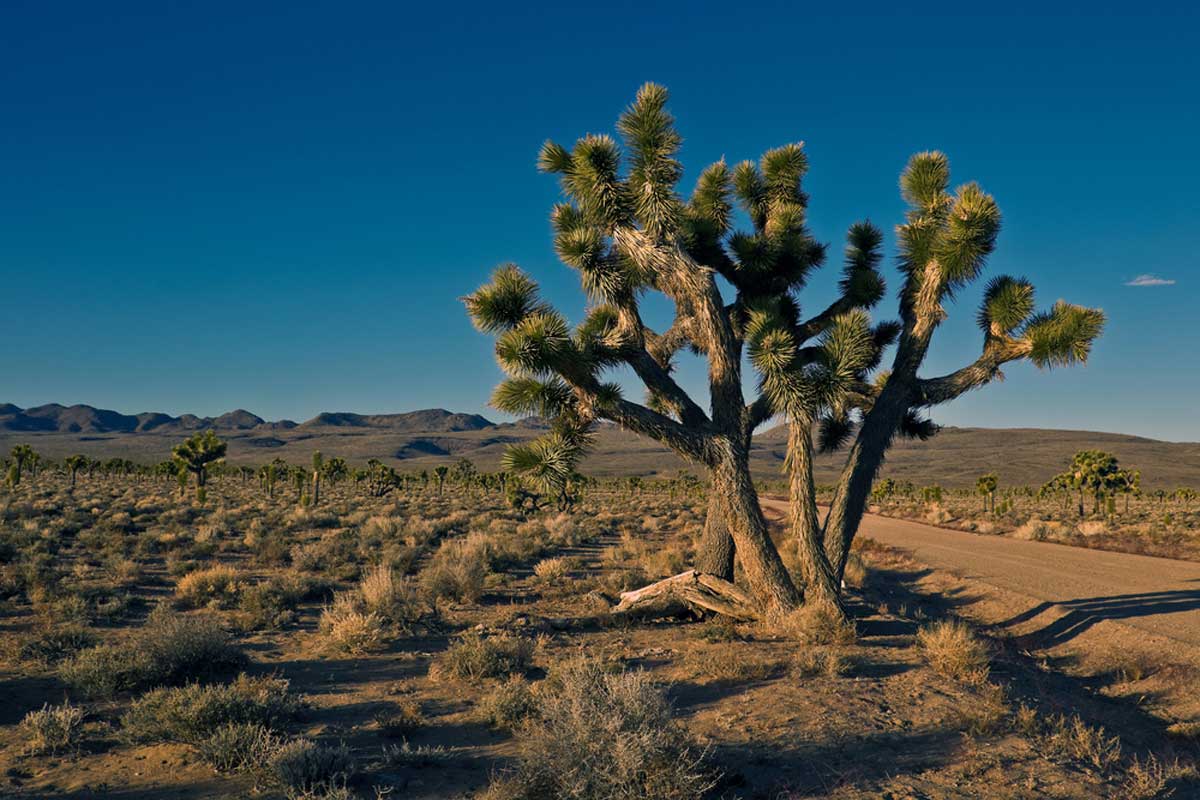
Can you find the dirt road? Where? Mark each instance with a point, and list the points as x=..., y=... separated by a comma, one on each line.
x=1157, y=595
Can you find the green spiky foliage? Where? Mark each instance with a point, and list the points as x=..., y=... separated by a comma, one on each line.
x=335, y=470
x=197, y=452
x=627, y=231
x=440, y=472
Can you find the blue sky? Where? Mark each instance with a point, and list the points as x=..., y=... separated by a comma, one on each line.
x=276, y=206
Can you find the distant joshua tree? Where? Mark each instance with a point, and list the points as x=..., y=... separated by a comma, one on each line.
x=73, y=465
x=196, y=454
x=985, y=487
x=23, y=457
x=440, y=472
x=628, y=232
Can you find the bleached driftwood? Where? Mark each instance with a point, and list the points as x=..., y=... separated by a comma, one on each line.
x=691, y=589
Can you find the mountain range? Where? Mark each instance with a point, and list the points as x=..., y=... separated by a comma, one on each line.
x=56, y=418
x=422, y=439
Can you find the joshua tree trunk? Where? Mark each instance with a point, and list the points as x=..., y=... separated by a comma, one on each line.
x=863, y=462
x=738, y=506
x=715, y=556
x=819, y=583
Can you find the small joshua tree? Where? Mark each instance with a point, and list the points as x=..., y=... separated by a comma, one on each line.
x=627, y=231
x=23, y=457
x=440, y=472
x=985, y=487
x=73, y=465
x=196, y=454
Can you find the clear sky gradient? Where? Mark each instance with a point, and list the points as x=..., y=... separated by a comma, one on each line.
x=214, y=205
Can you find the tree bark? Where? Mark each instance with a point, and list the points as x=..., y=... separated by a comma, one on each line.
x=715, y=556
x=767, y=577
x=862, y=464
x=819, y=583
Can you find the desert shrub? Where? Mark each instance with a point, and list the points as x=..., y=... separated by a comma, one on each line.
x=727, y=664
x=169, y=649
x=475, y=657
x=51, y=729
x=602, y=735
x=53, y=645
x=305, y=768
x=194, y=712
x=1153, y=778
x=399, y=721
x=459, y=569
x=216, y=586
x=1073, y=738
x=508, y=704
x=238, y=747
x=272, y=603
x=954, y=651
x=350, y=630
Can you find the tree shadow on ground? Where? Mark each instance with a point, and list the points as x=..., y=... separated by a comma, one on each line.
x=1083, y=613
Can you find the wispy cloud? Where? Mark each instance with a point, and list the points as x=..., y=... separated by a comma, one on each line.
x=1150, y=280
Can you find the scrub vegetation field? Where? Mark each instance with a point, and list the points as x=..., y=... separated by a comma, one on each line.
x=453, y=637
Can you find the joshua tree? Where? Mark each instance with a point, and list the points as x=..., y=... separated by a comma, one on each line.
x=23, y=456
x=197, y=452
x=440, y=473
x=629, y=232
x=334, y=470
x=985, y=487
x=73, y=465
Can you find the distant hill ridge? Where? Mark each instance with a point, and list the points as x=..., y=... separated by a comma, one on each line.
x=426, y=438
x=57, y=418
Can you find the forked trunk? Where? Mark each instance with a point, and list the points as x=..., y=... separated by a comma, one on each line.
x=734, y=496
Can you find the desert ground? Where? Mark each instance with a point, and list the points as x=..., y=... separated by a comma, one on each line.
x=440, y=642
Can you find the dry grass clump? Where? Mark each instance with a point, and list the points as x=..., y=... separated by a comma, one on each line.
x=214, y=587
x=603, y=735
x=813, y=662
x=169, y=649
x=1071, y=737
x=459, y=569
x=1153, y=778
x=953, y=650
x=391, y=596
x=813, y=623
x=51, y=729
x=475, y=657
x=194, y=712
x=351, y=630
x=552, y=570
x=238, y=747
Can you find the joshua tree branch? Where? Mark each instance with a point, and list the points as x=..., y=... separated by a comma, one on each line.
x=935, y=391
